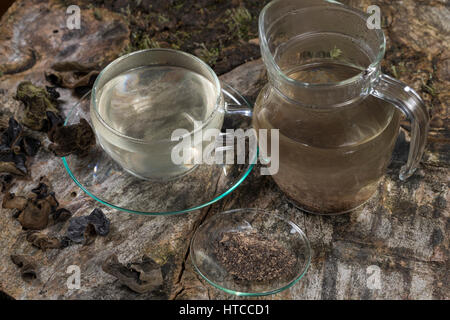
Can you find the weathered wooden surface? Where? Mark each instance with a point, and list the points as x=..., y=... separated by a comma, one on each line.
x=404, y=229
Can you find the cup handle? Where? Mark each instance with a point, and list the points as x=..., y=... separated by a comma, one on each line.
x=409, y=102
x=236, y=109
x=235, y=103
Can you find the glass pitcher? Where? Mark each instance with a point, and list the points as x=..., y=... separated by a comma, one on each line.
x=337, y=114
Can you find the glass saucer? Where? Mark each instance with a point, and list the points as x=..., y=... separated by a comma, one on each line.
x=105, y=181
x=277, y=232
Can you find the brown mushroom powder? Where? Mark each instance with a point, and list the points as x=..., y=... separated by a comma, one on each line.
x=251, y=257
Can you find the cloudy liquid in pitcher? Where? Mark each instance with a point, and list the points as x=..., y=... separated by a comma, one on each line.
x=330, y=160
x=149, y=103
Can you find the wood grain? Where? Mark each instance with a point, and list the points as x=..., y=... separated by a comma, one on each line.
x=403, y=229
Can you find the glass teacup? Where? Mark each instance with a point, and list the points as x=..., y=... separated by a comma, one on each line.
x=140, y=99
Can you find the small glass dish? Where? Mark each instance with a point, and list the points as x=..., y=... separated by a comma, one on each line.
x=255, y=224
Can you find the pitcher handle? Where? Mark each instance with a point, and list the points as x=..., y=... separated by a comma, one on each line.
x=409, y=102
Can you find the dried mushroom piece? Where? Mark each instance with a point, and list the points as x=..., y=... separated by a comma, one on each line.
x=13, y=139
x=42, y=191
x=76, y=230
x=72, y=74
x=74, y=66
x=61, y=215
x=43, y=241
x=30, y=146
x=27, y=61
x=13, y=163
x=12, y=136
x=14, y=149
x=35, y=215
x=101, y=224
x=11, y=201
x=27, y=266
x=72, y=81
x=41, y=203
x=38, y=102
x=84, y=229
x=150, y=272
x=5, y=182
x=65, y=242
x=55, y=121
x=53, y=93
x=140, y=277
x=89, y=234
x=34, y=211
x=74, y=139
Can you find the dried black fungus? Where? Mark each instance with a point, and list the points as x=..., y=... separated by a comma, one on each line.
x=20, y=65
x=74, y=66
x=34, y=211
x=61, y=215
x=13, y=139
x=77, y=227
x=35, y=216
x=43, y=241
x=42, y=191
x=65, y=242
x=30, y=146
x=89, y=234
x=5, y=182
x=84, y=229
x=140, y=277
x=40, y=205
x=37, y=102
x=101, y=224
x=13, y=163
x=16, y=213
x=11, y=201
x=53, y=93
x=72, y=75
x=74, y=139
x=14, y=149
x=12, y=135
x=27, y=266
x=55, y=120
